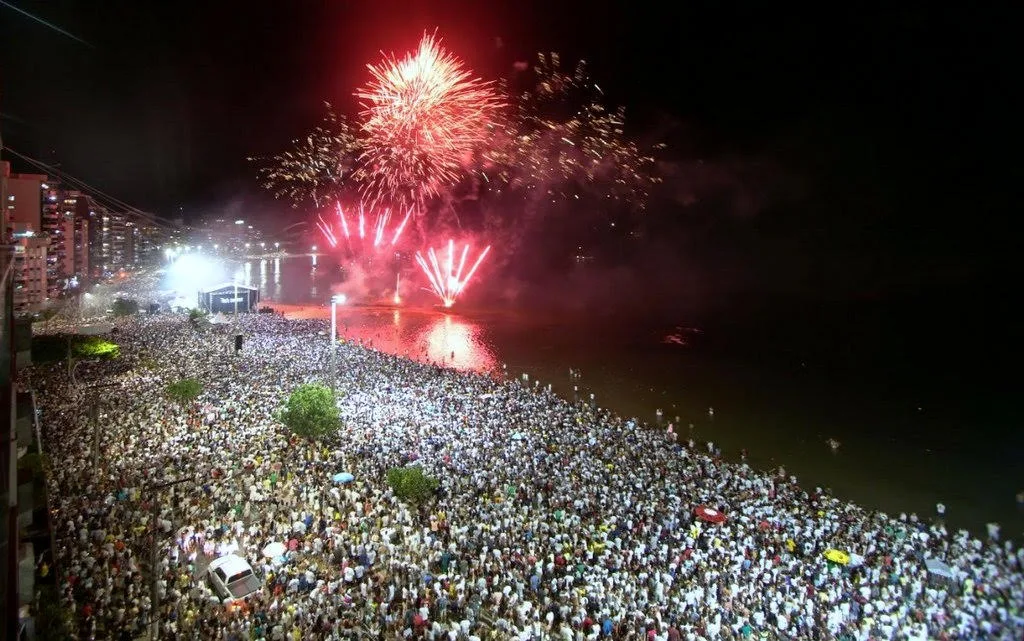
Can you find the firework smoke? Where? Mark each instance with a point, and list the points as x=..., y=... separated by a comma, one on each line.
x=423, y=115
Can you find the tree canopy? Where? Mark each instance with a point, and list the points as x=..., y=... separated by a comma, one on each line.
x=125, y=307
x=411, y=484
x=94, y=347
x=184, y=391
x=311, y=412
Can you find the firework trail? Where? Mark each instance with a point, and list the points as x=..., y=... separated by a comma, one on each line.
x=317, y=168
x=424, y=115
x=448, y=282
x=562, y=137
x=378, y=226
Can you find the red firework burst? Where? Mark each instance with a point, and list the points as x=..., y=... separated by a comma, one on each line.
x=423, y=115
x=447, y=281
x=379, y=233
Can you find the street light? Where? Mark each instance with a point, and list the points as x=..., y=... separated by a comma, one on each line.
x=335, y=300
x=153, y=492
x=236, y=279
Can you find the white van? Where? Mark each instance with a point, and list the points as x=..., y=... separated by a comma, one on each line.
x=232, y=578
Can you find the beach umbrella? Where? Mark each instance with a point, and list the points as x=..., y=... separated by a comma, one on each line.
x=938, y=568
x=709, y=514
x=518, y=436
x=274, y=549
x=343, y=477
x=837, y=556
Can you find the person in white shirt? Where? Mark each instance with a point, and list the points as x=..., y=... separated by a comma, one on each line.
x=993, y=531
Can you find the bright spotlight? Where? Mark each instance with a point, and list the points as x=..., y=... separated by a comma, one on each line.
x=191, y=272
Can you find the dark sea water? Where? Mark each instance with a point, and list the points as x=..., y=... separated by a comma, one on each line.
x=919, y=391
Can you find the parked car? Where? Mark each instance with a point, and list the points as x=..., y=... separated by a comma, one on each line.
x=232, y=578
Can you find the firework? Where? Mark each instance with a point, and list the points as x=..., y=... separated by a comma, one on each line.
x=378, y=226
x=424, y=115
x=318, y=166
x=447, y=281
x=563, y=139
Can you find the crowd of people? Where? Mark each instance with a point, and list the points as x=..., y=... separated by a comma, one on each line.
x=554, y=519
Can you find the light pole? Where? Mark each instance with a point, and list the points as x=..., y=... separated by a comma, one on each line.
x=152, y=490
x=337, y=298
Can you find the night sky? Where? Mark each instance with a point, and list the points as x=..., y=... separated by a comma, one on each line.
x=860, y=152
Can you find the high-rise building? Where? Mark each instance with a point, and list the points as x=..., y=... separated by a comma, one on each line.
x=30, y=291
x=111, y=238
x=92, y=237
x=148, y=240
x=56, y=219
x=117, y=237
x=5, y=174
x=25, y=229
x=81, y=254
x=25, y=201
x=71, y=227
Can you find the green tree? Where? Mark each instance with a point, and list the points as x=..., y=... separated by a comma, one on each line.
x=184, y=391
x=411, y=484
x=125, y=307
x=54, y=622
x=311, y=412
x=198, y=319
x=94, y=347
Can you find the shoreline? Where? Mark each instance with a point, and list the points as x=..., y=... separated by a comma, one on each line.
x=762, y=464
x=861, y=487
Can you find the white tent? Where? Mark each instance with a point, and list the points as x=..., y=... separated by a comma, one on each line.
x=938, y=568
x=93, y=329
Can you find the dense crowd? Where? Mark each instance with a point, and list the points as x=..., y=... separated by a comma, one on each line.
x=553, y=519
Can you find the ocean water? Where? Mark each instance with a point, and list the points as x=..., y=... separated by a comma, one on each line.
x=922, y=402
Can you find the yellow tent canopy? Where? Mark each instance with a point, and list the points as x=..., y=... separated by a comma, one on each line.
x=837, y=556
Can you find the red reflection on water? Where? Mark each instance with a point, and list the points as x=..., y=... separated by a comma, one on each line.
x=454, y=342
x=428, y=337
